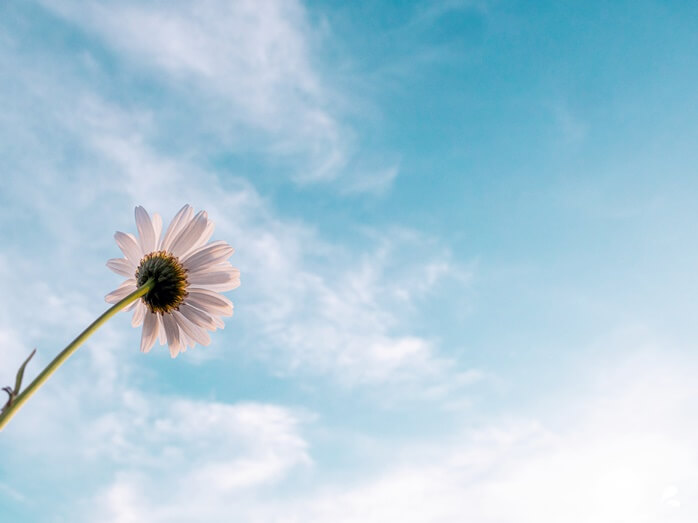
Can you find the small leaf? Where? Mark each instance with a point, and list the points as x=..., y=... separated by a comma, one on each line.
x=20, y=373
x=11, y=397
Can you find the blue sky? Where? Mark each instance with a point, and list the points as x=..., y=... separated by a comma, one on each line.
x=466, y=234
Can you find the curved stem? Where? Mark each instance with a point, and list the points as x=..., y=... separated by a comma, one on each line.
x=23, y=396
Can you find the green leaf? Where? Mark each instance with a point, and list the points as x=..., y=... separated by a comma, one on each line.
x=20, y=373
x=11, y=396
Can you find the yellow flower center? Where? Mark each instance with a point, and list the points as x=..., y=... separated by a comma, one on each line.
x=170, y=281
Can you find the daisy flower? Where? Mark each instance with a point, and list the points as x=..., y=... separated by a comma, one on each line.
x=189, y=275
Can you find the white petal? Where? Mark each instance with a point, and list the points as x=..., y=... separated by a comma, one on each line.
x=205, y=236
x=208, y=256
x=131, y=307
x=210, y=301
x=194, y=332
x=190, y=234
x=172, y=331
x=121, y=292
x=217, y=275
x=129, y=246
x=157, y=227
x=150, y=331
x=221, y=288
x=176, y=225
x=146, y=232
x=122, y=266
x=196, y=251
x=162, y=337
x=198, y=317
x=211, y=293
x=185, y=340
x=138, y=314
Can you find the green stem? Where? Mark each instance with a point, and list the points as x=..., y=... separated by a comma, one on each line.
x=23, y=396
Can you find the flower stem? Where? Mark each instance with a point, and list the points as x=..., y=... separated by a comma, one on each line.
x=23, y=396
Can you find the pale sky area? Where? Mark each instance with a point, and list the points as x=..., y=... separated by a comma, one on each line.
x=467, y=239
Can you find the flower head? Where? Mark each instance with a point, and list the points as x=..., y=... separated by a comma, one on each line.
x=189, y=275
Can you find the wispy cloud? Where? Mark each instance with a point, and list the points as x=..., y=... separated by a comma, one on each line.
x=625, y=451
x=349, y=321
x=202, y=451
x=375, y=181
x=253, y=69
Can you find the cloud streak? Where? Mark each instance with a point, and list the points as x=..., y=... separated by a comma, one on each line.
x=625, y=452
x=237, y=69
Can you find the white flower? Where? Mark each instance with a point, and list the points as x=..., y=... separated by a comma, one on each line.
x=188, y=271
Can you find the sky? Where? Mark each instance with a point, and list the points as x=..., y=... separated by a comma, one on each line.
x=466, y=231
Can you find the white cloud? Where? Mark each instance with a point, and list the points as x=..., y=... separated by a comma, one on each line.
x=177, y=458
x=375, y=181
x=622, y=450
x=626, y=455
x=346, y=315
x=246, y=68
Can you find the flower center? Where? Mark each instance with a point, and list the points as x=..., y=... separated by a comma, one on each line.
x=170, y=281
